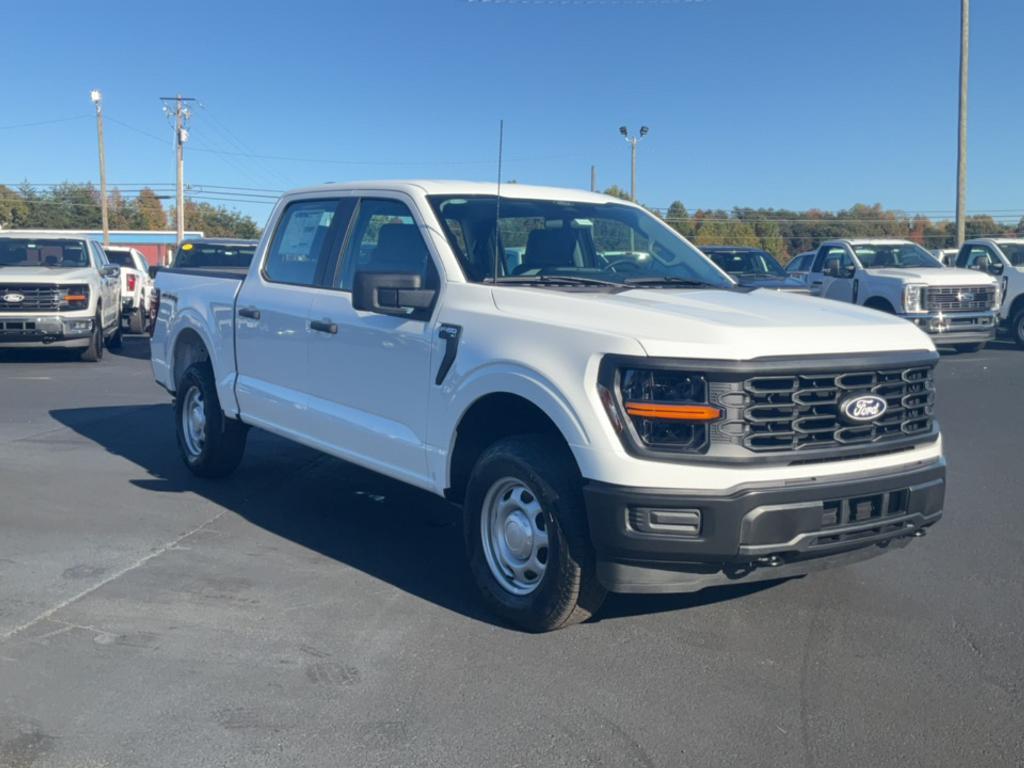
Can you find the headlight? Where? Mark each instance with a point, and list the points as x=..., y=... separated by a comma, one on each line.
x=661, y=409
x=997, y=300
x=913, y=298
x=74, y=297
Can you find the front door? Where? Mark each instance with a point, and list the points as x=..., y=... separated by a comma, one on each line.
x=369, y=374
x=272, y=319
x=835, y=277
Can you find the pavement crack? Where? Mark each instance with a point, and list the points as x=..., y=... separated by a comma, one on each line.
x=47, y=614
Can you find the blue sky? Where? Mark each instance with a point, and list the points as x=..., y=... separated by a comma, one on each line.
x=785, y=103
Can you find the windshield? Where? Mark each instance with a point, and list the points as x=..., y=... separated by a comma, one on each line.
x=58, y=254
x=556, y=242
x=747, y=262
x=1014, y=252
x=121, y=258
x=214, y=255
x=895, y=256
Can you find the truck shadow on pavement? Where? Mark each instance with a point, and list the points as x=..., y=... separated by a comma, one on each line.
x=401, y=535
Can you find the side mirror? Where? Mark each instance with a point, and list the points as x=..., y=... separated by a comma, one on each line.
x=392, y=293
x=153, y=269
x=111, y=270
x=995, y=268
x=847, y=271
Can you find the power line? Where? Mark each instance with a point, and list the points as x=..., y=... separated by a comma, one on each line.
x=43, y=122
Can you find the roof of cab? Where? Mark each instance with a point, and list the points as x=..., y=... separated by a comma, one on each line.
x=36, y=234
x=439, y=187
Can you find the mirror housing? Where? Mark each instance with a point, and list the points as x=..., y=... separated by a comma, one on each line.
x=111, y=270
x=996, y=268
x=400, y=294
x=153, y=269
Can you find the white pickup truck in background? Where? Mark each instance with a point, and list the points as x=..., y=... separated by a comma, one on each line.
x=58, y=291
x=136, y=286
x=957, y=307
x=606, y=421
x=1003, y=258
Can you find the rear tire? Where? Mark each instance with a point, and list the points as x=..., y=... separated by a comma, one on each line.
x=968, y=348
x=211, y=444
x=94, y=352
x=138, y=320
x=1017, y=327
x=526, y=535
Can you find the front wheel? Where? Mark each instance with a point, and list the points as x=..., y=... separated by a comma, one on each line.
x=211, y=444
x=526, y=535
x=94, y=352
x=968, y=348
x=1017, y=327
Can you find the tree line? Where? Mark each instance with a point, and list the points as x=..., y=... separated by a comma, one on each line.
x=77, y=206
x=785, y=233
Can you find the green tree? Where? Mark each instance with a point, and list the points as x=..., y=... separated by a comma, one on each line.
x=217, y=220
x=678, y=218
x=614, y=191
x=13, y=209
x=149, y=210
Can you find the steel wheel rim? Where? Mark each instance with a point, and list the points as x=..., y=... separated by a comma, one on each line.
x=513, y=531
x=193, y=421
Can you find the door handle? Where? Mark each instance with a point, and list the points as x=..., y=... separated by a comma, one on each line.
x=250, y=312
x=323, y=326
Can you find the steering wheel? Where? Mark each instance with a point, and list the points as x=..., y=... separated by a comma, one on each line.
x=634, y=266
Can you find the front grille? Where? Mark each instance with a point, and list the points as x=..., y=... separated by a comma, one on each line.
x=35, y=298
x=801, y=411
x=959, y=298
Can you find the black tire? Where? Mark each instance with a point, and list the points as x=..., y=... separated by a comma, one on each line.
x=568, y=591
x=116, y=339
x=223, y=440
x=968, y=348
x=1017, y=327
x=138, y=320
x=94, y=352
x=881, y=305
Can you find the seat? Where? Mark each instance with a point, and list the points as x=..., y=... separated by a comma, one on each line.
x=548, y=248
x=400, y=248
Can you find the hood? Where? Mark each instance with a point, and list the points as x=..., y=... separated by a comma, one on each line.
x=948, y=276
x=32, y=275
x=772, y=281
x=718, y=324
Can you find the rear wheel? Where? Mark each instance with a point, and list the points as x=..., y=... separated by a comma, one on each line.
x=526, y=535
x=94, y=352
x=138, y=320
x=211, y=444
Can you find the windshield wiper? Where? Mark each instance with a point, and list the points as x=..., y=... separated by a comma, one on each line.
x=669, y=281
x=553, y=280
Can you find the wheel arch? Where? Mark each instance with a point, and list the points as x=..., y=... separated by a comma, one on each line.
x=880, y=303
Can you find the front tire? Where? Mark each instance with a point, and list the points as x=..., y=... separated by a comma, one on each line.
x=94, y=352
x=211, y=444
x=1017, y=327
x=968, y=348
x=526, y=535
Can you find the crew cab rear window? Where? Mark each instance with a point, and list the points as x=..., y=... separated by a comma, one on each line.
x=299, y=250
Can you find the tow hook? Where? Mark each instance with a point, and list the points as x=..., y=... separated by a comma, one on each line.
x=770, y=561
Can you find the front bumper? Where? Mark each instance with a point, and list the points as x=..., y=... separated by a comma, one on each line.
x=45, y=331
x=678, y=541
x=956, y=327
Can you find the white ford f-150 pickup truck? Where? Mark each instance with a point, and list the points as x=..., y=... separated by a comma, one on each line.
x=955, y=306
x=1003, y=258
x=136, y=286
x=605, y=421
x=58, y=291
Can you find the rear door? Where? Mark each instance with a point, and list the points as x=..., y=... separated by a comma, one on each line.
x=370, y=373
x=272, y=317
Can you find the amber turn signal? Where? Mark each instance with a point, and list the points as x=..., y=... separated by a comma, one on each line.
x=673, y=412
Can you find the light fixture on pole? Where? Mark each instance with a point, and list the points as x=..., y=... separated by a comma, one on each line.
x=633, y=141
x=97, y=99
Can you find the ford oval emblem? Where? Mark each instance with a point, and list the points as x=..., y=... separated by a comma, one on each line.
x=13, y=298
x=861, y=408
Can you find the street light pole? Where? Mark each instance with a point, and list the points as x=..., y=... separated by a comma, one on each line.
x=97, y=99
x=961, y=146
x=632, y=141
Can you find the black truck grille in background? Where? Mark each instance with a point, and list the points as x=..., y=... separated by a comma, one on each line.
x=959, y=298
x=35, y=298
x=796, y=412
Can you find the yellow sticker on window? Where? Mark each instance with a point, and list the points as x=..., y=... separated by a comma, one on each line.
x=187, y=247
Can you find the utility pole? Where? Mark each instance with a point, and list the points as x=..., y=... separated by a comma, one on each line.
x=961, y=146
x=632, y=141
x=593, y=178
x=181, y=117
x=97, y=99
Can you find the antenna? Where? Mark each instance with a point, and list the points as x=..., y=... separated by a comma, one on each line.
x=497, y=200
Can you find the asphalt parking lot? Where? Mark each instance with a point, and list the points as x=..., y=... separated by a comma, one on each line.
x=307, y=613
